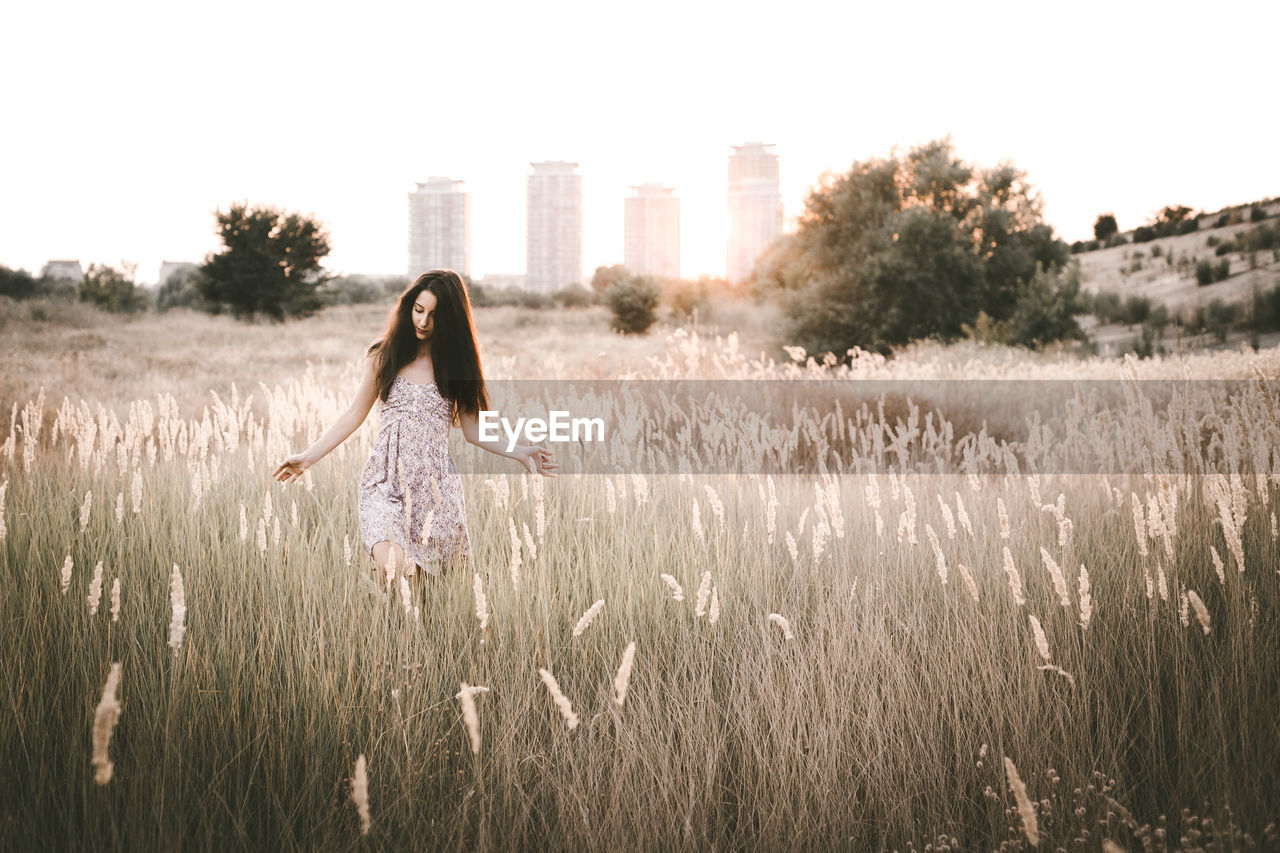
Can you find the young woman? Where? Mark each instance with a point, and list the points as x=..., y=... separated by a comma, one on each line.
x=426, y=371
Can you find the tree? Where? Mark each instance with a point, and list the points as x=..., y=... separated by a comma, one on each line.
x=634, y=303
x=605, y=277
x=1047, y=311
x=908, y=247
x=112, y=289
x=270, y=265
x=1104, y=227
x=17, y=284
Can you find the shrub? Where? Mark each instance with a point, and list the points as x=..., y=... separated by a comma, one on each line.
x=1107, y=307
x=634, y=303
x=1204, y=273
x=1156, y=250
x=112, y=290
x=1047, y=309
x=1266, y=309
x=573, y=296
x=1212, y=241
x=1104, y=227
x=1136, y=309
x=183, y=290
x=1222, y=270
x=1158, y=318
x=1188, y=225
x=1116, y=240
x=17, y=284
x=1144, y=346
x=687, y=297
x=1144, y=234
x=1257, y=214
x=1219, y=317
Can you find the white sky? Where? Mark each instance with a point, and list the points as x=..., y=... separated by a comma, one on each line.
x=125, y=124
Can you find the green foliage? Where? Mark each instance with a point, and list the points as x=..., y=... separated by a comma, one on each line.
x=1265, y=313
x=1257, y=214
x=1157, y=319
x=1146, y=345
x=906, y=248
x=1222, y=270
x=1136, y=309
x=574, y=296
x=1047, y=310
x=687, y=297
x=1108, y=308
x=605, y=277
x=362, y=289
x=112, y=290
x=633, y=301
x=1260, y=237
x=1172, y=220
x=499, y=297
x=1204, y=273
x=270, y=264
x=182, y=290
x=1104, y=227
x=1217, y=318
x=17, y=284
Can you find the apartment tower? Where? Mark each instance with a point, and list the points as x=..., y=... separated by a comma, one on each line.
x=553, y=226
x=651, y=231
x=755, y=206
x=439, y=227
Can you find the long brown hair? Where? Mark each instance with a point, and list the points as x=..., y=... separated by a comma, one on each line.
x=455, y=355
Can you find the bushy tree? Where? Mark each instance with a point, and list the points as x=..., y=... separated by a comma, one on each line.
x=1104, y=226
x=573, y=296
x=183, y=290
x=270, y=264
x=17, y=284
x=1047, y=311
x=687, y=296
x=633, y=301
x=605, y=277
x=112, y=289
x=908, y=247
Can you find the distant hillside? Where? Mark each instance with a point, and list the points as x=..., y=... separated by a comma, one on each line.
x=1164, y=270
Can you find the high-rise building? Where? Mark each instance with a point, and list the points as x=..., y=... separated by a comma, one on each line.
x=755, y=206
x=651, y=231
x=439, y=227
x=553, y=227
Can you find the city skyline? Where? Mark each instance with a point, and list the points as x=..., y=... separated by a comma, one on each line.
x=126, y=132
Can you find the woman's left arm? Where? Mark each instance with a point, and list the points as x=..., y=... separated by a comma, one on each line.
x=536, y=460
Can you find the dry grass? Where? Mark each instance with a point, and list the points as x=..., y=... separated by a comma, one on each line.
x=843, y=696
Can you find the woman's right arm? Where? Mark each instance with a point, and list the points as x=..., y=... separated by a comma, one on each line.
x=347, y=423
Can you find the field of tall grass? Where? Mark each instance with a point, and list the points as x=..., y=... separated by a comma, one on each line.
x=941, y=635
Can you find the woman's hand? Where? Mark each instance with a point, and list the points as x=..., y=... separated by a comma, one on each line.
x=291, y=468
x=537, y=460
